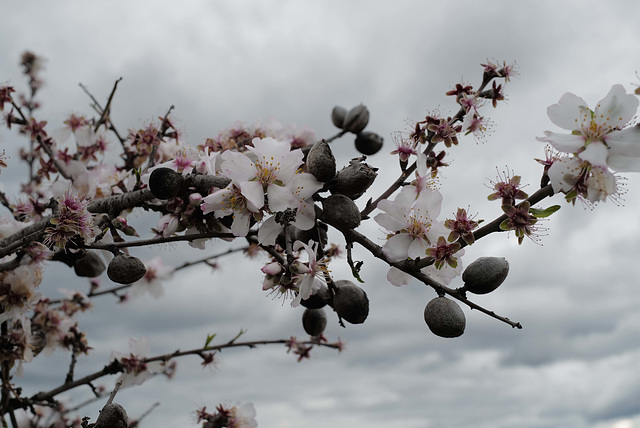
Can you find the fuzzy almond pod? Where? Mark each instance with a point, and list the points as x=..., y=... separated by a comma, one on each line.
x=320, y=161
x=356, y=120
x=354, y=179
x=112, y=416
x=165, y=183
x=350, y=302
x=314, y=321
x=485, y=274
x=368, y=143
x=444, y=317
x=90, y=266
x=338, y=114
x=317, y=300
x=340, y=212
x=125, y=269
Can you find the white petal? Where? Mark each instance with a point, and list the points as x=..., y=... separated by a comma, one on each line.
x=396, y=248
x=625, y=142
x=241, y=223
x=389, y=222
x=428, y=204
x=305, y=216
x=563, y=174
x=567, y=143
x=569, y=112
x=616, y=109
x=279, y=197
x=418, y=248
x=253, y=192
x=304, y=185
x=623, y=163
x=397, y=277
x=595, y=153
x=269, y=231
x=600, y=185
x=237, y=166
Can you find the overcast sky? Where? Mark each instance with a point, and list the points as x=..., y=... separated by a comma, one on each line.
x=575, y=362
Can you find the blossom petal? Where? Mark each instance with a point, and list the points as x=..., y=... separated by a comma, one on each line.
x=241, y=223
x=567, y=143
x=305, y=216
x=279, y=197
x=269, y=231
x=396, y=248
x=389, y=222
x=563, y=174
x=569, y=112
x=625, y=142
x=616, y=109
x=254, y=193
x=397, y=277
x=595, y=153
x=417, y=248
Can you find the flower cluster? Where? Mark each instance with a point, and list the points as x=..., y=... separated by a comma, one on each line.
x=73, y=223
x=266, y=182
x=300, y=280
x=414, y=232
x=600, y=142
x=238, y=416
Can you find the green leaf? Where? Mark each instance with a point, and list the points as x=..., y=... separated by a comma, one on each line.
x=356, y=275
x=209, y=339
x=538, y=213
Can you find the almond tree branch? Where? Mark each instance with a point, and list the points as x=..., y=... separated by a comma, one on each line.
x=115, y=367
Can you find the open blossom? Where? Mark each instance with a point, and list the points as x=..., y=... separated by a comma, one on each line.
x=303, y=187
x=598, y=136
x=136, y=370
x=311, y=275
x=411, y=223
x=268, y=176
x=151, y=282
x=231, y=201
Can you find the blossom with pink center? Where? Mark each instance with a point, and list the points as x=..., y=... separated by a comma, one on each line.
x=136, y=370
x=303, y=186
x=151, y=282
x=167, y=225
x=310, y=276
x=231, y=201
x=269, y=175
x=600, y=136
x=405, y=147
x=411, y=223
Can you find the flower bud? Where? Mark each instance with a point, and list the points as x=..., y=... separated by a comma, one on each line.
x=320, y=161
x=317, y=300
x=356, y=120
x=350, y=302
x=314, y=321
x=444, y=317
x=353, y=180
x=195, y=199
x=368, y=143
x=125, y=269
x=90, y=266
x=165, y=183
x=485, y=274
x=112, y=416
x=338, y=114
x=340, y=212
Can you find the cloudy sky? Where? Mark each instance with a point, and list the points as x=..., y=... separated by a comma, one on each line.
x=574, y=364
